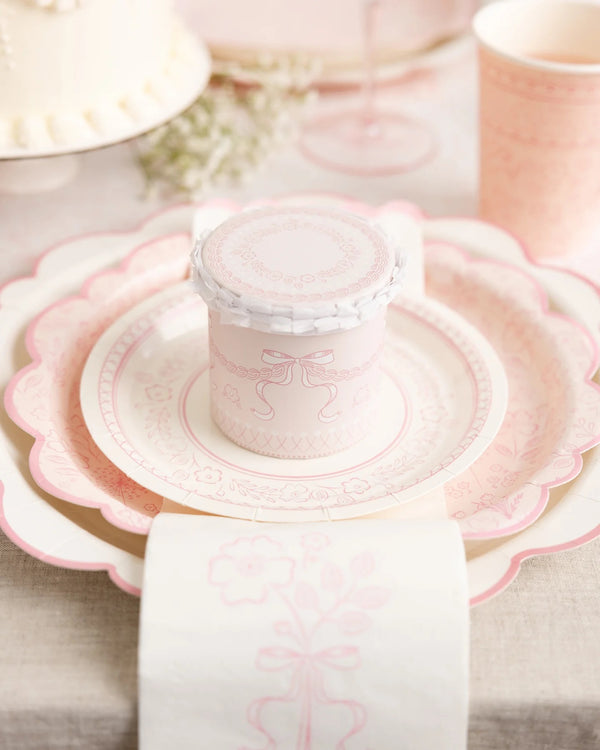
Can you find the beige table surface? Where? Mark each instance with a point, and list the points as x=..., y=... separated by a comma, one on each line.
x=68, y=639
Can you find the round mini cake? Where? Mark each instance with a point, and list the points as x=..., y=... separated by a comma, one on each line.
x=76, y=74
x=297, y=302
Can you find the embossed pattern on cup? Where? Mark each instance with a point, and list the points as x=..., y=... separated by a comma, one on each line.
x=539, y=123
x=295, y=396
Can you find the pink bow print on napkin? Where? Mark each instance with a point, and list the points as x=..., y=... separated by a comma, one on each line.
x=317, y=597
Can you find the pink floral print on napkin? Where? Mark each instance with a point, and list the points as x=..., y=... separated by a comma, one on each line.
x=325, y=608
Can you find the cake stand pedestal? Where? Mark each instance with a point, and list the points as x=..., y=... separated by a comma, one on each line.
x=23, y=176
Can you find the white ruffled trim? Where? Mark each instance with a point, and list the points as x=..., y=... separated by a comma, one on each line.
x=110, y=120
x=297, y=319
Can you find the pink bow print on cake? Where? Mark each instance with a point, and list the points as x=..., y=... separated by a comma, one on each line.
x=282, y=373
x=322, y=606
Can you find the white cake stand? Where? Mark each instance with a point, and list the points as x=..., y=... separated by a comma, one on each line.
x=32, y=169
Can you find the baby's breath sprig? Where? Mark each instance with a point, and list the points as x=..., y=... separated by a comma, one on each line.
x=244, y=116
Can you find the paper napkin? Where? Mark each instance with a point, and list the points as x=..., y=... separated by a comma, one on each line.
x=327, y=636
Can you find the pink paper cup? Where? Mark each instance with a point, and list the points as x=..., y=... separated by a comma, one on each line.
x=311, y=396
x=539, y=122
x=297, y=300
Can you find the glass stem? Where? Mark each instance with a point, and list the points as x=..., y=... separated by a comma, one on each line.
x=369, y=9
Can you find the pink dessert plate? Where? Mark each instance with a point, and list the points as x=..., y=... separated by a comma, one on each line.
x=69, y=535
x=145, y=390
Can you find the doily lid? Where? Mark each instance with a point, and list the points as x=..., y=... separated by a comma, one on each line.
x=296, y=270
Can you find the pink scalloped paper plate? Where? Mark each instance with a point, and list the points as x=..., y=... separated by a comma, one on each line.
x=68, y=535
x=503, y=492
x=554, y=409
x=43, y=398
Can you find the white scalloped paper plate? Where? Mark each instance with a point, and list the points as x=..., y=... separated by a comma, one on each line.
x=144, y=393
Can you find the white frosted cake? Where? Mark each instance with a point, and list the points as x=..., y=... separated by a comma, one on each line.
x=76, y=72
x=331, y=29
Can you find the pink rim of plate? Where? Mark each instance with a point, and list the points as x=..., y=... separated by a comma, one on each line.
x=350, y=204
x=64, y=460
x=60, y=562
x=537, y=481
x=516, y=561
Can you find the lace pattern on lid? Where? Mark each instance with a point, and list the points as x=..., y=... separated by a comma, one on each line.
x=239, y=271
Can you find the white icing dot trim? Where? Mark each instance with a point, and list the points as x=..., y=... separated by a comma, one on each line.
x=297, y=319
x=189, y=64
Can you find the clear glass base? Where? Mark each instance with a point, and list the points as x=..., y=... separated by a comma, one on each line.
x=385, y=143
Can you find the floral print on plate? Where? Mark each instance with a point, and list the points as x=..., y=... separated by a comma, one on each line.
x=554, y=409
